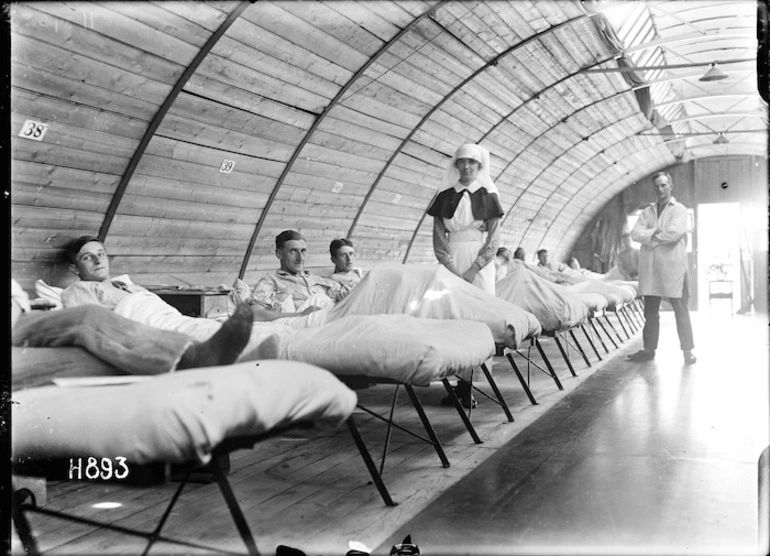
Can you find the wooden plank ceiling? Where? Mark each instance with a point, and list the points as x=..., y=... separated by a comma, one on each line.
x=337, y=119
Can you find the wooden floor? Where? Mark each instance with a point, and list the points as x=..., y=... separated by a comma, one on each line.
x=312, y=491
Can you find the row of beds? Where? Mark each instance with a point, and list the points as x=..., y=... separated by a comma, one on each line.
x=405, y=326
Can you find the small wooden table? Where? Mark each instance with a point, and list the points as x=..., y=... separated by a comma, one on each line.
x=721, y=289
x=208, y=303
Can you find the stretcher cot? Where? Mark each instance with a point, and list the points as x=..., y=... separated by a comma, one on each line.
x=399, y=350
x=559, y=311
x=189, y=417
x=431, y=291
x=621, y=297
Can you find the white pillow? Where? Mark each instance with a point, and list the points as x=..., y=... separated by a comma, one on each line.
x=49, y=293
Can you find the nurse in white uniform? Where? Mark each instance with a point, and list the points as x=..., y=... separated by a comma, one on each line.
x=466, y=215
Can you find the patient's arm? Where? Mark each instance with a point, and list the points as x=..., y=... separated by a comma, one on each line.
x=264, y=315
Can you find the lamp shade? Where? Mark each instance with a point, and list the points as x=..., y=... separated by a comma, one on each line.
x=713, y=74
x=721, y=139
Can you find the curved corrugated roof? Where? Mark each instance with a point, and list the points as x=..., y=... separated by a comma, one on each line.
x=187, y=134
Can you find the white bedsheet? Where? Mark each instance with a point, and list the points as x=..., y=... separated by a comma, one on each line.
x=616, y=294
x=556, y=307
x=402, y=348
x=179, y=417
x=431, y=291
x=399, y=347
x=149, y=309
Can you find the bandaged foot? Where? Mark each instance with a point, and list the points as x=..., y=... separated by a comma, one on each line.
x=224, y=347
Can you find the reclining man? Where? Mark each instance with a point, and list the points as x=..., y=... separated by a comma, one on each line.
x=544, y=262
x=128, y=346
x=291, y=290
x=343, y=255
x=88, y=259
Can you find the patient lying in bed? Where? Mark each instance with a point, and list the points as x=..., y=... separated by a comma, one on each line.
x=121, y=344
x=426, y=291
x=555, y=306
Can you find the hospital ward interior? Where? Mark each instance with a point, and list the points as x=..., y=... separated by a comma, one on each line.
x=387, y=277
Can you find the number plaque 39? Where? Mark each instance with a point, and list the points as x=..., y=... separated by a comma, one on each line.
x=33, y=130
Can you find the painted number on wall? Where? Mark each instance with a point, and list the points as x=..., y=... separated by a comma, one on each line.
x=33, y=130
x=227, y=166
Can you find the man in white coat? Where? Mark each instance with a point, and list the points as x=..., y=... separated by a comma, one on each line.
x=662, y=232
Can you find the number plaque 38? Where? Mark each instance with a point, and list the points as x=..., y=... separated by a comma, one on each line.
x=33, y=130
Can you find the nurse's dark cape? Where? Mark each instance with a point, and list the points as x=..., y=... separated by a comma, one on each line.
x=484, y=205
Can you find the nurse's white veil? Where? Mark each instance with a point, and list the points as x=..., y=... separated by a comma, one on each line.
x=478, y=153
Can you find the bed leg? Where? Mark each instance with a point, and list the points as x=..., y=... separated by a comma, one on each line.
x=630, y=319
x=521, y=379
x=152, y=537
x=629, y=323
x=632, y=313
x=596, y=331
x=590, y=341
x=376, y=477
x=564, y=354
x=389, y=432
x=604, y=328
x=639, y=308
x=612, y=326
x=618, y=315
x=21, y=522
x=497, y=392
x=548, y=364
x=235, y=508
x=579, y=347
x=426, y=424
x=459, y=408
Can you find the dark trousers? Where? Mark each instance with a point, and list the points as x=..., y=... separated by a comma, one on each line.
x=652, y=320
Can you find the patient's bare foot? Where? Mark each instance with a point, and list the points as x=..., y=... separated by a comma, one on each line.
x=224, y=347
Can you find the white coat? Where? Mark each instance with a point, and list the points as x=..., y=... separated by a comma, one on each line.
x=663, y=260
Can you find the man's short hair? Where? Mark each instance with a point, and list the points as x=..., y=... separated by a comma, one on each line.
x=504, y=253
x=541, y=251
x=662, y=174
x=338, y=244
x=287, y=235
x=519, y=254
x=73, y=247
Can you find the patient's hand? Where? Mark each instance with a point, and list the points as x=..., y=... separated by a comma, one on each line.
x=263, y=315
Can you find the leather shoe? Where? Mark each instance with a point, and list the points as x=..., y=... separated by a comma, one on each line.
x=642, y=355
x=464, y=392
x=689, y=358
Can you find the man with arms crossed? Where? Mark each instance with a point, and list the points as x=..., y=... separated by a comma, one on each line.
x=662, y=231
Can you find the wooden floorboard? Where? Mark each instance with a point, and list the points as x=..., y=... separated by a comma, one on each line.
x=310, y=489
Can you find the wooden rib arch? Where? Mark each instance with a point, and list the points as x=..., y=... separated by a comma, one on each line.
x=554, y=126
x=586, y=184
x=611, y=165
x=499, y=122
x=321, y=117
x=522, y=151
x=149, y=133
x=492, y=62
x=577, y=169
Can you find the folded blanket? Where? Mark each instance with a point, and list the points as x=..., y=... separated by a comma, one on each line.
x=556, y=307
x=177, y=418
x=402, y=348
x=431, y=291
